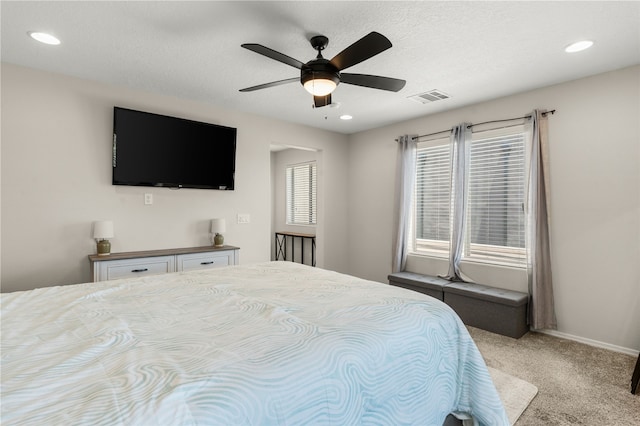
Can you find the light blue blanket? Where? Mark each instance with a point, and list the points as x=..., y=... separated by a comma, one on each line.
x=267, y=344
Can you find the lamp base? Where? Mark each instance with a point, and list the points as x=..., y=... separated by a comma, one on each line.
x=104, y=248
x=218, y=240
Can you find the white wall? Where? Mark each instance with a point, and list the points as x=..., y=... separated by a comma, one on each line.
x=595, y=201
x=56, y=180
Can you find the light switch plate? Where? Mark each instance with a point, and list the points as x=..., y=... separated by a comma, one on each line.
x=244, y=218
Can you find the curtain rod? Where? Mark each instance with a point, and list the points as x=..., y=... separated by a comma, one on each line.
x=544, y=114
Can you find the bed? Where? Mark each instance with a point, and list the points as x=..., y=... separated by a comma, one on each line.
x=274, y=343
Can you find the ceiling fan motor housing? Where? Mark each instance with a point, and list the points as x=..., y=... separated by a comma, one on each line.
x=319, y=69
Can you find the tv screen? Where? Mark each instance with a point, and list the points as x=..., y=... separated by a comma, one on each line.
x=158, y=150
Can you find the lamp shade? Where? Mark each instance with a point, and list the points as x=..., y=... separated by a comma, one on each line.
x=103, y=229
x=218, y=226
x=319, y=86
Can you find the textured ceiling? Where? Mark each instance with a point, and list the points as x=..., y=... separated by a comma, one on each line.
x=472, y=51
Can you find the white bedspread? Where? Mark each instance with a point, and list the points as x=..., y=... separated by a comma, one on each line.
x=269, y=344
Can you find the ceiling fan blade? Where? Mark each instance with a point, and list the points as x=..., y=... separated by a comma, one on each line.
x=373, y=81
x=272, y=84
x=320, y=101
x=363, y=49
x=270, y=53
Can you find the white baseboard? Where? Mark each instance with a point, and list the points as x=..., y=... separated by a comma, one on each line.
x=590, y=342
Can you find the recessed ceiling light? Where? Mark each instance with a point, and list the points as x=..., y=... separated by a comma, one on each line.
x=578, y=46
x=44, y=38
x=346, y=117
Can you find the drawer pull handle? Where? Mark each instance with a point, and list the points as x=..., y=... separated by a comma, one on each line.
x=140, y=270
x=206, y=263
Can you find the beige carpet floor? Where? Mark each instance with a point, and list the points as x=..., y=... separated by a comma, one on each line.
x=577, y=384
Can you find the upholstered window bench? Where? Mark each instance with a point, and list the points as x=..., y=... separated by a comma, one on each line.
x=489, y=308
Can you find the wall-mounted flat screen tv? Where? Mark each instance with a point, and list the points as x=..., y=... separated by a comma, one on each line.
x=162, y=151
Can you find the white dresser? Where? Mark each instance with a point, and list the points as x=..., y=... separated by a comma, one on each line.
x=150, y=262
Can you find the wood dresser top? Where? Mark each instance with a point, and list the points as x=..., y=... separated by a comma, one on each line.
x=153, y=253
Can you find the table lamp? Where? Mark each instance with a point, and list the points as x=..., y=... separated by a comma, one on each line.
x=218, y=226
x=102, y=231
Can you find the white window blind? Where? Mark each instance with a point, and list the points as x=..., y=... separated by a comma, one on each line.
x=301, y=191
x=432, y=197
x=495, y=201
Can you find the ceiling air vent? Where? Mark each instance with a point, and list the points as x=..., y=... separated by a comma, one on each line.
x=430, y=96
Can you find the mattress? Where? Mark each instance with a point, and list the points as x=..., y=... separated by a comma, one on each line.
x=274, y=343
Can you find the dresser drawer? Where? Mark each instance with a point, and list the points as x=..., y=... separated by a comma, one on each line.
x=189, y=262
x=127, y=268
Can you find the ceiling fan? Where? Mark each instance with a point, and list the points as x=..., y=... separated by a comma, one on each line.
x=320, y=76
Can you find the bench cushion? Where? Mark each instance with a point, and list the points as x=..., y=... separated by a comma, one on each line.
x=425, y=284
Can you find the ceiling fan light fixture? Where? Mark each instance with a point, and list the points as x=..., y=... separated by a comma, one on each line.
x=320, y=86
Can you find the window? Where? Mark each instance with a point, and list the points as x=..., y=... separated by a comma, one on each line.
x=301, y=194
x=495, y=223
x=495, y=201
x=432, y=197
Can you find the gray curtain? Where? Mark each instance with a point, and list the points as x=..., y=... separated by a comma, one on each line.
x=541, y=307
x=460, y=141
x=405, y=178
